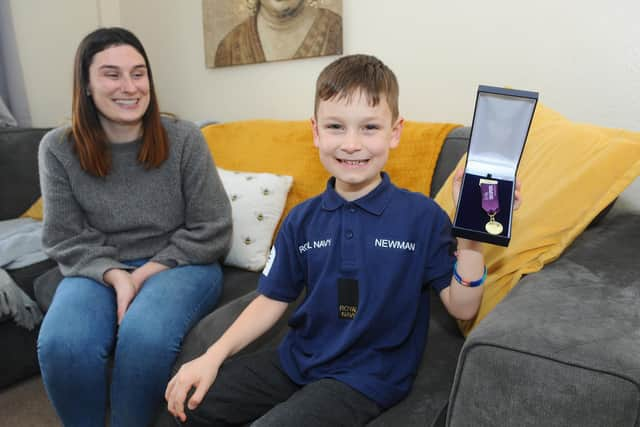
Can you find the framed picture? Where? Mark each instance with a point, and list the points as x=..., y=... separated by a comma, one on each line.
x=238, y=32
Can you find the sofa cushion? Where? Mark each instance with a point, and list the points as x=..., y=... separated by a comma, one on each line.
x=564, y=342
x=237, y=282
x=286, y=148
x=35, y=211
x=257, y=202
x=19, y=183
x=570, y=172
x=430, y=390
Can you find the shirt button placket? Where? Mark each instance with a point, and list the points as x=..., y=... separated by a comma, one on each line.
x=349, y=241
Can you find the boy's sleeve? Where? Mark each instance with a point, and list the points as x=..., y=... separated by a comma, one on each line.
x=282, y=278
x=440, y=259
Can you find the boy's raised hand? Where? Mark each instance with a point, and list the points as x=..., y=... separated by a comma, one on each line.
x=199, y=373
x=518, y=196
x=457, y=183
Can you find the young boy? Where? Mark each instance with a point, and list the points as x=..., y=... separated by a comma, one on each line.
x=357, y=338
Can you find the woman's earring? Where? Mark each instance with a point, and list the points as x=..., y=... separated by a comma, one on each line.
x=86, y=92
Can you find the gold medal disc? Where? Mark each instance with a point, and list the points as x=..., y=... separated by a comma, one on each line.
x=493, y=227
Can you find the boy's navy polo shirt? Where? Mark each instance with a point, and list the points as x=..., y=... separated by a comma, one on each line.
x=367, y=266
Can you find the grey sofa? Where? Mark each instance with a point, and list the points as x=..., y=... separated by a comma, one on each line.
x=562, y=349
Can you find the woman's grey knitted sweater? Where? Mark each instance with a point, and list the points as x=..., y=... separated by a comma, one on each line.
x=176, y=214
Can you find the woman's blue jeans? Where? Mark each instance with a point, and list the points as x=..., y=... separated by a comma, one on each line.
x=79, y=335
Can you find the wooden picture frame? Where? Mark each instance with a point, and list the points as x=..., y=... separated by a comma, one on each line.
x=238, y=32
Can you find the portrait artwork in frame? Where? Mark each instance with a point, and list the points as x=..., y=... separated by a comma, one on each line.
x=238, y=32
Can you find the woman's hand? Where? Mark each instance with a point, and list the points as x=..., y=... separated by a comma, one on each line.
x=199, y=373
x=125, y=288
x=142, y=273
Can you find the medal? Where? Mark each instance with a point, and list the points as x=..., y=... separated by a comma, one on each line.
x=493, y=227
x=491, y=204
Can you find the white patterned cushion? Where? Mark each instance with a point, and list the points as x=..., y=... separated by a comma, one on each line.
x=257, y=202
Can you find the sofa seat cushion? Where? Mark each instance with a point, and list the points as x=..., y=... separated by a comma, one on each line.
x=18, y=358
x=430, y=391
x=565, y=341
x=237, y=282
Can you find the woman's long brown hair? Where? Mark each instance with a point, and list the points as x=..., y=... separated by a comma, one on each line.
x=90, y=140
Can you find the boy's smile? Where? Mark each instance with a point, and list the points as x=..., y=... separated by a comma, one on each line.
x=353, y=140
x=354, y=163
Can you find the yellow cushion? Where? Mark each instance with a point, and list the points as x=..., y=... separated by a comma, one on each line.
x=412, y=163
x=35, y=211
x=286, y=148
x=270, y=146
x=569, y=173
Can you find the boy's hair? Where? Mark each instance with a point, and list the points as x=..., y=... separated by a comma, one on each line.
x=350, y=74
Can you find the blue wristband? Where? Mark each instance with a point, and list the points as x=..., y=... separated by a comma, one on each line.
x=467, y=283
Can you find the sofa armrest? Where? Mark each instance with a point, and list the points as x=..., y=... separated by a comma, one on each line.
x=455, y=145
x=564, y=344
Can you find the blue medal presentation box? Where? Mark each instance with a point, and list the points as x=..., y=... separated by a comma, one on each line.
x=501, y=121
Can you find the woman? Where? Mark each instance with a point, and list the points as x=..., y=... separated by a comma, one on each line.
x=137, y=219
x=281, y=29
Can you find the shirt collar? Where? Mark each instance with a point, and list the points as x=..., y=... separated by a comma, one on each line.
x=374, y=202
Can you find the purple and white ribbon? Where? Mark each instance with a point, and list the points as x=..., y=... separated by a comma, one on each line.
x=490, y=200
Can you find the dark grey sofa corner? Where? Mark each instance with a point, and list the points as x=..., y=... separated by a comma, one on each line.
x=563, y=348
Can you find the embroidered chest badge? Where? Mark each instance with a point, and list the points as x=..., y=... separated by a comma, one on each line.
x=347, y=298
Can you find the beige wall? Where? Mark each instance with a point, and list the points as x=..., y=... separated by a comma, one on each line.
x=582, y=56
x=47, y=34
